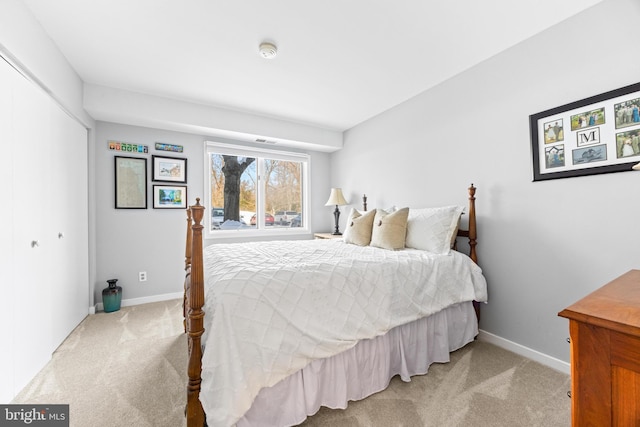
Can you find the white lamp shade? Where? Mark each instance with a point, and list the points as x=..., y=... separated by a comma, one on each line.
x=336, y=198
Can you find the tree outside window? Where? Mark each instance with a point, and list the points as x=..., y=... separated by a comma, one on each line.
x=256, y=190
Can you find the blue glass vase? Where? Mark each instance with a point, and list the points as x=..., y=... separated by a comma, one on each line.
x=111, y=296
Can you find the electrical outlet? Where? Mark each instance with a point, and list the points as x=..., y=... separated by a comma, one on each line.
x=142, y=276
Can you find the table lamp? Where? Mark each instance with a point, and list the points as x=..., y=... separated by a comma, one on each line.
x=336, y=198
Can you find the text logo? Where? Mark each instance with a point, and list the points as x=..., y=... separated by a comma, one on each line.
x=34, y=415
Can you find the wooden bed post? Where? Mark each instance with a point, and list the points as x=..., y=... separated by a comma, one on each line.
x=195, y=323
x=473, y=235
x=472, y=224
x=188, y=248
x=187, y=264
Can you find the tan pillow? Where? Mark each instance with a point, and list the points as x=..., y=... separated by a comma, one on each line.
x=389, y=229
x=358, y=229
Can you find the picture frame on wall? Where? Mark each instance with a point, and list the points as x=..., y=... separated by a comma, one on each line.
x=599, y=134
x=169, y=196
x=130, y=182
x=169, y=169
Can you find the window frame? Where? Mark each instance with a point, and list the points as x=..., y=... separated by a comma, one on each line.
x=259, y=153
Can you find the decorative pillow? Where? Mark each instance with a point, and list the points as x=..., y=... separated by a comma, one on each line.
x=389, y=229
x=433, y=229
x=358, y=229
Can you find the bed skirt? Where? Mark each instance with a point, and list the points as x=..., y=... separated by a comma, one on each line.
x=365, y=369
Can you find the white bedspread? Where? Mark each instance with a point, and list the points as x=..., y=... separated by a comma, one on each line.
x=272, y=307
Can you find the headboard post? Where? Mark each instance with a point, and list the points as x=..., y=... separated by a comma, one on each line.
x=472, y=224
x=195, y=413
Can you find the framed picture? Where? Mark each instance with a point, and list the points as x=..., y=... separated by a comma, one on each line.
x=130, y=183
x=169, y=197
x=169, y=169
x=600, y=134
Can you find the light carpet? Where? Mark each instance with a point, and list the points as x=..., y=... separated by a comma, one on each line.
x=128, y=368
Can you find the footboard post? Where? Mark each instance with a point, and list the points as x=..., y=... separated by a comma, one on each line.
x=187, y=264
x=195, y=324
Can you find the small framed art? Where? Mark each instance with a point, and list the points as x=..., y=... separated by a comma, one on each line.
x=600, y=134
x=130, y=182
x=169, y=169
x=160, y=146
x=169, y=197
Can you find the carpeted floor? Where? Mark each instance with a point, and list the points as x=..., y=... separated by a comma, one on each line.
x=128, y=368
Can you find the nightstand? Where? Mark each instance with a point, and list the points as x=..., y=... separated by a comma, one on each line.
x=326, y=236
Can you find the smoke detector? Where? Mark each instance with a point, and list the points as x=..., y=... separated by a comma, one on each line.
x=268, y=50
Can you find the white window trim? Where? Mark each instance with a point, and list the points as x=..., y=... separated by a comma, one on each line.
x=246, y=234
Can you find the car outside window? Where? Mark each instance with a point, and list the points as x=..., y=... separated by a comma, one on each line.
x=284, y=217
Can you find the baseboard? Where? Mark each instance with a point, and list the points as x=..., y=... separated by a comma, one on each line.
x=138, y=301
x=551, y=362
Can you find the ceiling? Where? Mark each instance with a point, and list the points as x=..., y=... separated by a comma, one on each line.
x=338, y=64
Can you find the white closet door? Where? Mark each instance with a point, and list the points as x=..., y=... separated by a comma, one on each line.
x=68, y=224
x=33, y=246
x=7, y=279
x=44, y=226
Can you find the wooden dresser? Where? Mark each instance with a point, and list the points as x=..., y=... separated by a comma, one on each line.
x=605, y=354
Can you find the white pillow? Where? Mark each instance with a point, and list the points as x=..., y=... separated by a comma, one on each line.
x=432, y=229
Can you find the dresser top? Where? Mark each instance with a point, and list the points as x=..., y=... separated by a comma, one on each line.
x=615, y=306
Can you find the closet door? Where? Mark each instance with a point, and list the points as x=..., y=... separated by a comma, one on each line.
x=68, y=225
x=44, y=225
x=33, y=246
x=7, y=279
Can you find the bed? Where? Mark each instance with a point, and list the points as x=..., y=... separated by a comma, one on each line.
x=293, y=326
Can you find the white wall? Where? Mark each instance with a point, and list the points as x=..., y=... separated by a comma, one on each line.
x=542, y=245
x=152, y=240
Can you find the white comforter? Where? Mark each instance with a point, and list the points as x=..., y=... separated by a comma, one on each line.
x=272, y=307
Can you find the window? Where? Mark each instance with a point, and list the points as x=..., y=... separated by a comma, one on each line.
x=255, y=191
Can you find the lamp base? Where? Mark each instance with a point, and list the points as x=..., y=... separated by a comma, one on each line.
x=336, y=215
